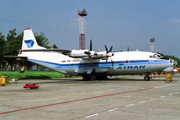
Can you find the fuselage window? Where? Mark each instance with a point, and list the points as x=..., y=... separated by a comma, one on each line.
x=150, y=56
x=71, y=64
x=67, y=64
x=134, y=61
x=127, y=61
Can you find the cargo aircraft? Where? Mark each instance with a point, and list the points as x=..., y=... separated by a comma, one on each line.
x=89, y=63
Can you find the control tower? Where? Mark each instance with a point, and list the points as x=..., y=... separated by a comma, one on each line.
x=82, y=14
x=152, y=40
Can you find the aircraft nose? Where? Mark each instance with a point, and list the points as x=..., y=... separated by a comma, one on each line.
x=174, y=62
x=168, y=69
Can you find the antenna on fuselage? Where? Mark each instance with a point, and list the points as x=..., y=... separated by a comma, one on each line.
x=128, y=48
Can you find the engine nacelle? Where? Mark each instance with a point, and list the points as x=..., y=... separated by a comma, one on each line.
x=78, y=53
x=104, y=54
x=81, y=53
x=87, y=53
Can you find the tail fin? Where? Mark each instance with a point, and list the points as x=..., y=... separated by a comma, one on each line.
x=29, y=41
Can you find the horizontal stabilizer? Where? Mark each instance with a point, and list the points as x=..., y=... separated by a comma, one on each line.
x=10, y=56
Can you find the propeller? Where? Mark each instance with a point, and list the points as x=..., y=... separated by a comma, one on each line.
x=108, y=51
x=89, y=52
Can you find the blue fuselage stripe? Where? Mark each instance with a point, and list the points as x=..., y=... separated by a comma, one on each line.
x=100, y=64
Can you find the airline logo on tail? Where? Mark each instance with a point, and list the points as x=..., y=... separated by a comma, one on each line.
x=29, y=43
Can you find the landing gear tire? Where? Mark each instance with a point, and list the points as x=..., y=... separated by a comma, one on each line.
x=86, y=77
x=147, y=78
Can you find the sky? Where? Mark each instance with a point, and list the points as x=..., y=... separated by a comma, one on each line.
x=120, y=23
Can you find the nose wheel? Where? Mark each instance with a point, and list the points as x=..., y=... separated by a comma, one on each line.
x=147, y=78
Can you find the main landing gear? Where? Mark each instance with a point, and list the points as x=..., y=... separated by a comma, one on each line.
x=86, y=77
x=147, y=78
x=92, y=77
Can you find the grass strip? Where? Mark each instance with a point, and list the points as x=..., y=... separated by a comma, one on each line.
x=31, y=75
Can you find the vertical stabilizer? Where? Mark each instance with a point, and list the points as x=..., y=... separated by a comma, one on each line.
x=29, y=41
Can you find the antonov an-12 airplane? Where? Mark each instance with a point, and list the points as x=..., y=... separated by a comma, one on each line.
x=88, y=63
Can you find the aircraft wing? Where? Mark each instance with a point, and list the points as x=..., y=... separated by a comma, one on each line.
x=74, y=53
x=47, y=50
x=95, y=57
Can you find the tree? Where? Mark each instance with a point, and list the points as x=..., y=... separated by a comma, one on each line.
x=54, y=47
x=13, y=45
x=42, y=40
x=11, y=35
x=2, y=45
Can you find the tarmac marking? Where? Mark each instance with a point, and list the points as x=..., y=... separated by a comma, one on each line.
x=164, y=86
x=171, y=94
x=112, y=110
x=104, y=91
x=83, y=99
x=91, y=115
x=129, y=105
x=153, y=98
x=45, y=93
x=50, y=98
x=142, y=101
x=176, y=92
x=123, y=96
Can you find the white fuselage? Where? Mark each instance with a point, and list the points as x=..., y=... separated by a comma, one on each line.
x=131, y=62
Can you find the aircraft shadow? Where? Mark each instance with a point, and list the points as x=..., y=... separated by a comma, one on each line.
x=79, y=80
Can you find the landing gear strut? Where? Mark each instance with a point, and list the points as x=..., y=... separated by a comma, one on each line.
x=147, y=78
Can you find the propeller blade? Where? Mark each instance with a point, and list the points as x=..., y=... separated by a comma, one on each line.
x=90, y=45
x=106, y=60
x=128, y=48
x=106, y=49
x=112, y=62
x=110, y=49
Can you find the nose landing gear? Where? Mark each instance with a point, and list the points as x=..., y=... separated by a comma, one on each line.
x=147, y=78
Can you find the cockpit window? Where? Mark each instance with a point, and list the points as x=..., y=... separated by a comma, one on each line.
x=159, y=56
x=171, y=61
x=155, y=56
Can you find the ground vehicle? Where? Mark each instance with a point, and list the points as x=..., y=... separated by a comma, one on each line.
x=31, y=86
